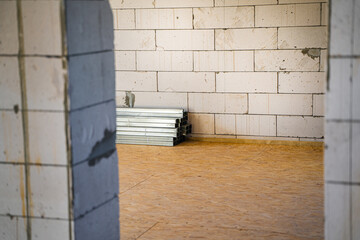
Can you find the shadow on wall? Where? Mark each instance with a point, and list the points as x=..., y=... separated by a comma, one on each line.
x=59, y=171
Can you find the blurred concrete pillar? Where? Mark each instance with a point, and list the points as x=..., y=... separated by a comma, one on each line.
x=58, y=163
x=342, y=134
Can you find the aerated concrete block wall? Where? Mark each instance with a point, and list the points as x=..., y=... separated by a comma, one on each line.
x=342, y=130
x=58, y=164
x=245, y=69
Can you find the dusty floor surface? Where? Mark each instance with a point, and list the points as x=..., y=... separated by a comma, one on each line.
x=200, y=190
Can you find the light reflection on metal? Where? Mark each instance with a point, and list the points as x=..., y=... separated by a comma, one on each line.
x=145, y=126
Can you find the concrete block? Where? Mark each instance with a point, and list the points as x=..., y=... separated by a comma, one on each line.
x=185, y=39
x=42, y=27
x=268, y=138
x=341, y=29
x=295, y=126
x=337, y=211
x=10, y=90
x=12, y=185
x=224, y=61
x=337, y=151
x=49, y=192
x=224, y=17
x=236, y=103
x=319, y=105
x=134, y=39
x=101, y=223
x=356, y=29
x=355, y=205
x=224, y=124
x=202, y=123
x=323, y=60
x=200, y=135
x=164, y=18
x=44, y=127
x=300, y=1
x=246, y=82
x=164, y=60
x=114, y=19
x=324, y=14
x=45, y=80
x=302, y=37
x=122, y=99
x=217, y=103
x=136, y=81
x=242, y=39
x=90, y=127
x=186, y=81
x=287, y=15
x=91, y=79
x=302, y=82
x=124, y=18
x=311, y=140
x=12, y=228
x=94, y=184
x=229, y=3
x=256, y=125
x=183, y=3
x=355, y=152
x=125, y=60
x=89, y=26
x=11, y=137
x=131, y=4
x=287, y=104
x=43, y=228
x=287, y=60
x=338, y=95
x=355, y=88
x=154, y=100
x=9, y=40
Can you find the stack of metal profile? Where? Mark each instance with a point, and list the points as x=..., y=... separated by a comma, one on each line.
x=146, y=126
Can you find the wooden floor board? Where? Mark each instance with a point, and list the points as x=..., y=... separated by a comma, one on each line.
x=204, y=190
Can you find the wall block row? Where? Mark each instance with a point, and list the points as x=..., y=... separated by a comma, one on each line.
x=258, y=125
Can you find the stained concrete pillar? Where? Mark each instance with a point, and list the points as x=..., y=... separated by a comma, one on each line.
x=58, y=163
x=342, y=133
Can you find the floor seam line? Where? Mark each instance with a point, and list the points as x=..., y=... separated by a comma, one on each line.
x=136, y=184
x=147, y=230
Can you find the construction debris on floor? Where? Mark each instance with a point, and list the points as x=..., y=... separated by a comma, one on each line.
x=146, y=126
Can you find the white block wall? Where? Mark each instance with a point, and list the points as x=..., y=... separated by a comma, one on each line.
x=342, y=138
x=253, y=69
x=58, y=169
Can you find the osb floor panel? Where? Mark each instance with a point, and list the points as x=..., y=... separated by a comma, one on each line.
x=202, y=190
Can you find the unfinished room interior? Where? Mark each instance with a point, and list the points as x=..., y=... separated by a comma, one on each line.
x=187, y=119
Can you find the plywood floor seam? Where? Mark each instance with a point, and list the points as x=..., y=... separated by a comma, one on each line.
x=204, y=190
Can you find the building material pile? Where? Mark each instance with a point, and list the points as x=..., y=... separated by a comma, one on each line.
x=147, y=126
